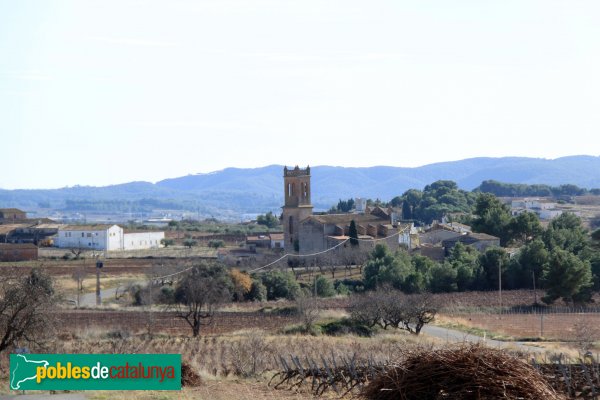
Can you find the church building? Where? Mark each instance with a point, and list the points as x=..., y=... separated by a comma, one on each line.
x=308, y=233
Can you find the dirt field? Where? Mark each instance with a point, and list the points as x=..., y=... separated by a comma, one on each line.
x=560, y=327
x=117, y=266
x=75, y=321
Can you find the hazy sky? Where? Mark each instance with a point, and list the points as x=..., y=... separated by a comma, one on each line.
x=102, y=92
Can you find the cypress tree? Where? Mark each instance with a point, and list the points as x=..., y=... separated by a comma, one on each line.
x=353, y=233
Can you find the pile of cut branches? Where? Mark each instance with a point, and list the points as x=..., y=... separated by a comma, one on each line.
x=464, y=372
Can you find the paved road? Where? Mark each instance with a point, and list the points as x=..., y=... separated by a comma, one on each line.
x=89, y=299
x=453, y=336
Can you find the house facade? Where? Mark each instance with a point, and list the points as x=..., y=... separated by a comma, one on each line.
x=106, y=238
x=142, y=240
x=93, y=237
x=277, y=240
x=545, y=209
x=12, y=214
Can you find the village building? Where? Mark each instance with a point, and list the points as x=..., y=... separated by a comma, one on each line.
x=271, y=240
x=106, y=237
x=277, y=240
x=308, y=233
x=135, y=240
x=480, y=241
x=12, y=214
x=18, y=252
x=437, y=233
x=40, y=234
x=7, y=231
x=545, y=209
x=260, y=241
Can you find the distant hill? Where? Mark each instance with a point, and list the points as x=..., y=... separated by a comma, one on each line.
x=234, y=191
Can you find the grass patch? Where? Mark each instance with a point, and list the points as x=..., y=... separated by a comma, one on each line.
x=300, y=329
x=284, y=311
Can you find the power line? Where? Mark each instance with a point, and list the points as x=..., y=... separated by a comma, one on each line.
x=173, y=274
x=327, y=250
x=300, y=255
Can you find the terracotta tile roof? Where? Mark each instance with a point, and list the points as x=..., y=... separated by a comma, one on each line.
x=336, y=219
x=470, y=238
x=256, y=238
x=483, y=236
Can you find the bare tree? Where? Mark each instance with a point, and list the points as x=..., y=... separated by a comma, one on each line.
x=420, y=310
x=367, y=309
x=391, y=308
x=79, y=276
x=308, y=309
x=198, y=294
x=249, y=355
x=77, y=251
x=26, y=303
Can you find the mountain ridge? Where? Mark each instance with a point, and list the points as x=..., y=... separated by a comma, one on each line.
x=241, y=190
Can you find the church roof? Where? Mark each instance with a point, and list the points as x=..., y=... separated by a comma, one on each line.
x=337, y=219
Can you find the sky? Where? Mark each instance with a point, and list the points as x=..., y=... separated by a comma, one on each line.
x=113, y=91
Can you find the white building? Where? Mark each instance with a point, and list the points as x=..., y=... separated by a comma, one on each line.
x=545, y=209
x=96, y=237
x=106, y=238
x=407, y=231
x=360, y=205
x=277, y=241
x=142, y=240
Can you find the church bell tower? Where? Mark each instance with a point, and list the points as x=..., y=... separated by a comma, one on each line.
x=297, y=204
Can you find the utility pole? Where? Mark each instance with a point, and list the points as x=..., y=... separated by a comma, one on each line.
x=534, y=292
x=500, y=283
x=99, y=265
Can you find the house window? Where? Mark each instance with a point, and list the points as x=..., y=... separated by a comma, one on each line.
x=82, y=234
x=89, y=235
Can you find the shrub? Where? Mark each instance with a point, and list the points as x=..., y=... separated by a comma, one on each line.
x=342, y=289
x=216, y=243
x=167, y=242
x=258, y=291
x=167, y=295
x=324, y=287
x=346, y=326
x=280, y=285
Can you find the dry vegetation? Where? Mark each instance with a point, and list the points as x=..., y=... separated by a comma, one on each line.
x=466, y=372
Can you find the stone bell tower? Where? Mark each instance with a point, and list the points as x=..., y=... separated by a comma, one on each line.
x=297, y=204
